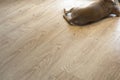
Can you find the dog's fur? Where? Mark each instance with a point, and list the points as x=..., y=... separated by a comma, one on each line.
x=92, y=13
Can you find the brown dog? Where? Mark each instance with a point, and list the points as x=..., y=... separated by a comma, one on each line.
x=92, y=13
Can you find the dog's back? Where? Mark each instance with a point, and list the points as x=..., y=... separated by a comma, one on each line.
x=93, y=12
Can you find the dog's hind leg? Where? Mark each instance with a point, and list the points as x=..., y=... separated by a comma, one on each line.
x=116, y=11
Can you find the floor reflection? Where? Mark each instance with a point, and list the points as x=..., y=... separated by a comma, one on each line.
x=75, y=3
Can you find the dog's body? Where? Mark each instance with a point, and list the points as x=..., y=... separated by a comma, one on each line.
x=92, y=13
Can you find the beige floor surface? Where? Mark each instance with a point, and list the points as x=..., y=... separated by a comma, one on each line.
x=36, y=43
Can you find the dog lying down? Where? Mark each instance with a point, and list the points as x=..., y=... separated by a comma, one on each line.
x=94, y=12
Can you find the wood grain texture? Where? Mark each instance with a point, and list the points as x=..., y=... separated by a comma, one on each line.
x=36, y=43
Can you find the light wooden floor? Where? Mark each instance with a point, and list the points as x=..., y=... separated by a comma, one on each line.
x=36, y=43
